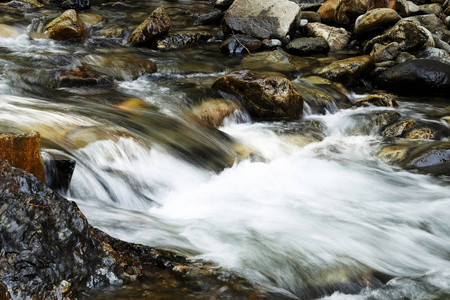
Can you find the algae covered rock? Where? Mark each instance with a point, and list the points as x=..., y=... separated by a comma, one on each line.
x=65, y=27
x=264, y=97
x=262, y=18
x=157, y=24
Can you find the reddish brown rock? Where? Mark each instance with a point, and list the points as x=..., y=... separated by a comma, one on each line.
x=81, y=76
x=327, y=11
x=22, y=151
x=157, y=24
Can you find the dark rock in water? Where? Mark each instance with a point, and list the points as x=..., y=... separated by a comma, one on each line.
x=22, y=151
x=262, y=19
x=269, y=98
x=119, y=66
x=76, y=4
x=211, y=18
x=81, y=76
x=65, y=27
x=235, y=44
x=376, y=123
x=431, y=158
x=180, y=40
x=49, y=251
x=423, y=76
x=308, y=45
x=157, y=24
x=25, y=4
x=347, y=71
x=58, y=172
x=223, y=4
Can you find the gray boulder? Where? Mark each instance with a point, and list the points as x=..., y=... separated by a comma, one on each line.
x=262, y=18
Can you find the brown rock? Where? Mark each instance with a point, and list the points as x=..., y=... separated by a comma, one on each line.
x=348, y=10
x=327, y=11
x=378, y=100
x=67, y=26
x=387, y=52
x=157, y=24
x=264, y=97
x=421, y=133
x=337, y=38
x=92, y=20
x=398, y=129
x=347, y=71
x=22, y=151
x=213, y=112
x=402, y=8
x=374, y=4
x=81, y=76
x=375, y=19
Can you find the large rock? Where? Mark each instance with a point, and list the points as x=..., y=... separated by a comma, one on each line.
x=327, y=11
x=409, y=35
x=262, y=18
x=424, y=157
x=347, y=71
x=337, y=38
x=376, y=19
x=7, y=31
x=157, y=24
x=22, y=151
x=423, y=76
x=268, y=98
x=65, y=27
x=119, y=66
x=308, y=45
x=49, y=251
x=348, y=10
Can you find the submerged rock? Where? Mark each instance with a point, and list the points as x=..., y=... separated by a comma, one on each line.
x=157, y=24
x=262, y=18
x=7, y=31
x=22, y=151
x=423, y=76
x=67, y=26
x=211, y=18
x=81, y=76
x=264, y=97
x=213, y=112
x=347, y=71
x=119, y=66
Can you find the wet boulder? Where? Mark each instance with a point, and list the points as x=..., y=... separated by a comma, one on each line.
x=337, y=38
x=119, y=66
x=157, y=24
x=386, y=100
x=22, y=151
x=416, y=76
x=307, y=45
x=262, y=18
x=409, y=35
x=240, y=43
x=211, y=18
x=347, y=71
x=375, y=122
x=80, y=76
x=7, y=31
x=65, y=27
x=376, y=19
x=398, y=129
x=214, y=112
x=327, y=11
x=264, y=97
x=348, y=10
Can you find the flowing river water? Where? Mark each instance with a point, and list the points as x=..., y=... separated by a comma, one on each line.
x=293, y=217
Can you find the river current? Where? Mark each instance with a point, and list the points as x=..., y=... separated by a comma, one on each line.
x=292, y=216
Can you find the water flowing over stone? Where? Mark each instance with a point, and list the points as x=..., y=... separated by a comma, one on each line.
x=8, y=31
x=262, y=18
x=157, y=24
x=264, y=97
